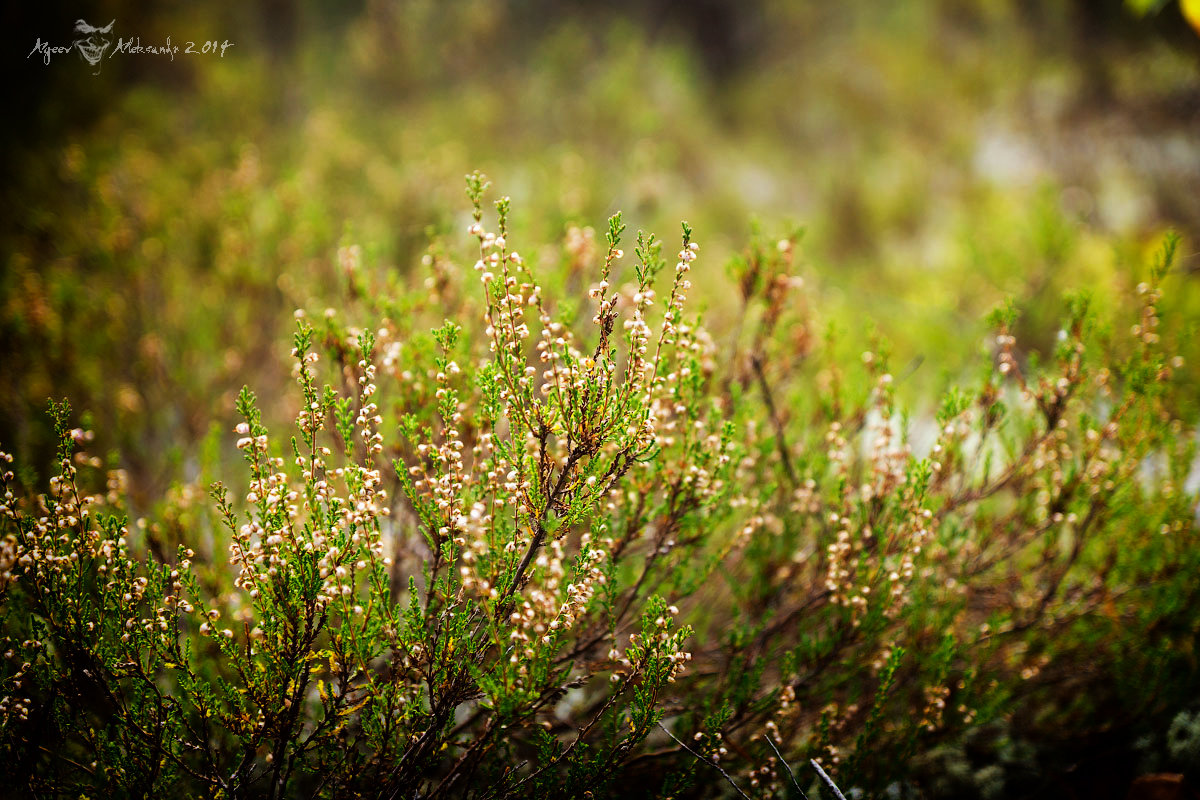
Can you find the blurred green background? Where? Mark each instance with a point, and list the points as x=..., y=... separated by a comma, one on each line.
x=161, y=219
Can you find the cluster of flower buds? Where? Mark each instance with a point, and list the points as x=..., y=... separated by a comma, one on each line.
x=1006, y=343
x=672, y=316
x=935, y=707
x=765, y=779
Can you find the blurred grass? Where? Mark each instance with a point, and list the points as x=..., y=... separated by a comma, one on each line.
x=941, y=156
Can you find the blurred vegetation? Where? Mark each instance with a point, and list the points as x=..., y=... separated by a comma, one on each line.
x=161, y=220
x=941, y=156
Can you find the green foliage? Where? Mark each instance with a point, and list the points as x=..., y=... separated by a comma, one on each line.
x=573, y=543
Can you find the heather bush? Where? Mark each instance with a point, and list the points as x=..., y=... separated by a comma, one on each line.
x=192, y=210
x=538, y=532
